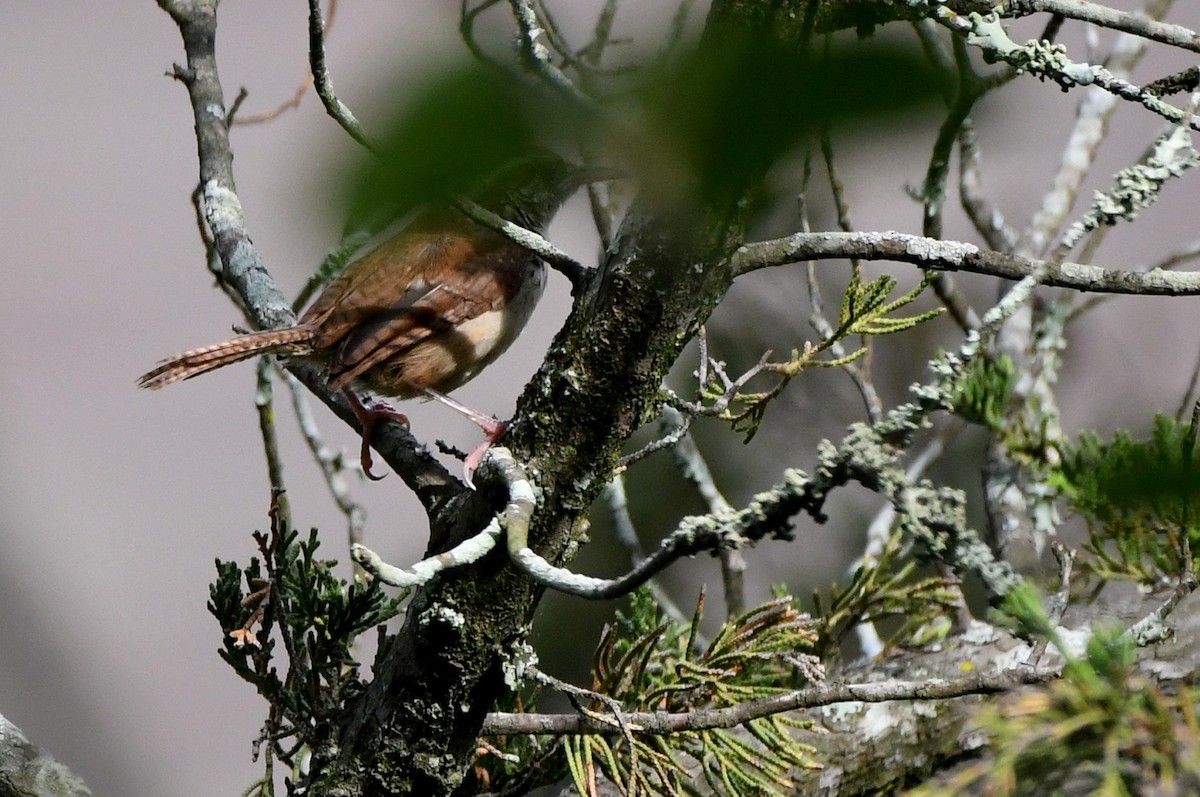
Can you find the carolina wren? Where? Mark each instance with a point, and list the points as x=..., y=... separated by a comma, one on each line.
x=423, y=312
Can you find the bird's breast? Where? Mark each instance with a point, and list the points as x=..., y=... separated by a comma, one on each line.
x=477, y=342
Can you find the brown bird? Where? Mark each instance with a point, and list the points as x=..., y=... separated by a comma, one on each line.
x=423, y=312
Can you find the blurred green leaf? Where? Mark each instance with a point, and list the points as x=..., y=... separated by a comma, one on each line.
x=1158, y=474
x=459, y=125
x=712, y=122
x=1140, y=498
x=705, y=126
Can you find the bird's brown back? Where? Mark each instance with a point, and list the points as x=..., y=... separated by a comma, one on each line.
x=410, y=289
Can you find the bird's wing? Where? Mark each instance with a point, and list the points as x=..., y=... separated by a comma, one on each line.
x=367, y=320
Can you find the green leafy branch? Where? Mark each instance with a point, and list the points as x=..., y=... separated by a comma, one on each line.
x=865, y=312
x=291, y=597
x=647, y=663
x=1140, y=499
x=887, y=587
x=982, y=394
x=1102, y=729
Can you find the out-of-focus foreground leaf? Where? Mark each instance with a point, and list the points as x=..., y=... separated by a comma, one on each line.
x=705, y=125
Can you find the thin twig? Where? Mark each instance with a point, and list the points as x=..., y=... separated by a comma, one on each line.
x=560, y=261
x=615, y=719
x=264, y=402
x=928, y=34
x=297, y=97
x=626, y=534
x=931, y=253
x=654, y=446
x=537, y=56
x=1056, y=605
x=466, y=28
x=985, y=216
x=662, y=722
x=859, y=373
x=678, y=25
x=695, y=469
x=1187, y=400
x=593, y=52
x=968, y=89
x=323, y=82
x=1153, y=628
x=1066, y=563
x=731, y=389
x=334, y=465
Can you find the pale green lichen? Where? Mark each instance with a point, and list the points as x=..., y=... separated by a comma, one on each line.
x=1137, y=187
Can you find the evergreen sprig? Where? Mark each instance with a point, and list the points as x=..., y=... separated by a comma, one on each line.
x=1140, y=499
x=865, y=312
x=293, y=599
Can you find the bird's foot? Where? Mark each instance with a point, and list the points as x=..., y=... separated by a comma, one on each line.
x=493, y=430
x=493, y=433
x=370, y=411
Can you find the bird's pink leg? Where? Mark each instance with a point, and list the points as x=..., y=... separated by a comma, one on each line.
x=493, y=430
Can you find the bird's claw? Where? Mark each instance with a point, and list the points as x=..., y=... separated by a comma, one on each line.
x=370, y=412
x=493, y=432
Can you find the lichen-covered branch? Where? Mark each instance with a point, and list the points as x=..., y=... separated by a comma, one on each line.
x=938, y=255
x=1049, y=61
x=1127, y=21
x=28, y=771
x=663, y=722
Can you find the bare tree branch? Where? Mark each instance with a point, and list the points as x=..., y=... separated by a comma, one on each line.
x=323, y=82
x=931, y=253
x=1105, y=17
x=662, y=722
x=28, y=771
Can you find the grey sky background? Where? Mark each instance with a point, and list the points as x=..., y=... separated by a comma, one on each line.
x=114, y=502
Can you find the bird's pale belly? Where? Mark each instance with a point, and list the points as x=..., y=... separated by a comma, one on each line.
x=450, y=359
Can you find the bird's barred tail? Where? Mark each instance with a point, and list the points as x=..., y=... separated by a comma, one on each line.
x=294, y=340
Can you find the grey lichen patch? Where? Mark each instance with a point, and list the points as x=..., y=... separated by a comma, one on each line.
x=865, y=450
x=932, y=249
x=934, y=516
x=1137, y=187
x=222, y=208
x=444, y=615
x=1040, y=58
x=519, y=662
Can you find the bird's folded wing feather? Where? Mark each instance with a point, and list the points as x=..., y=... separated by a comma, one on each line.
x=363, y=318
